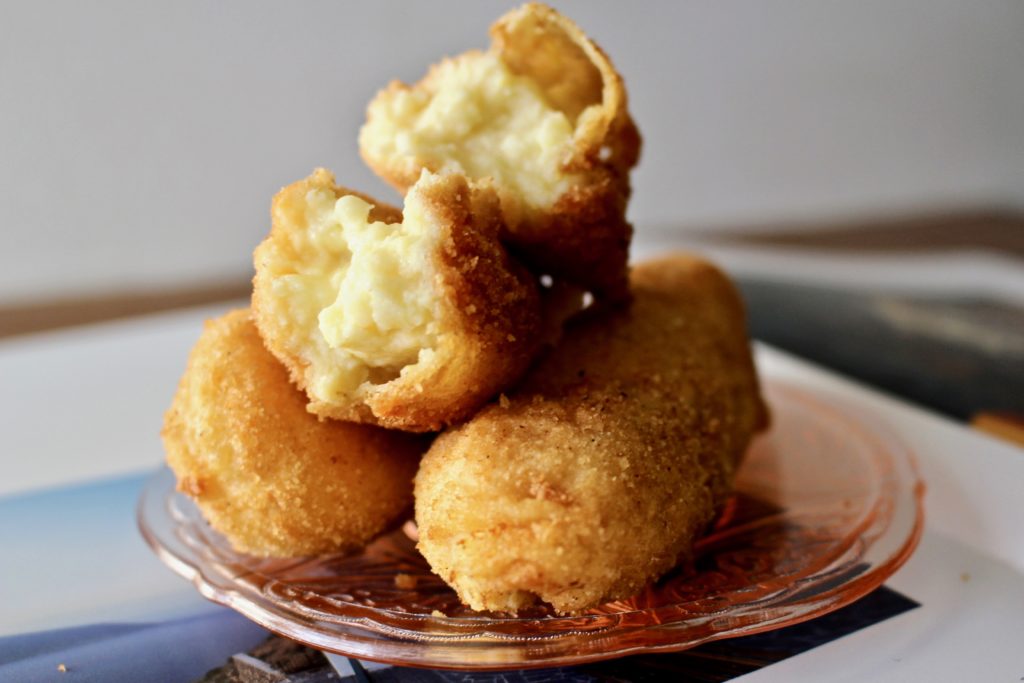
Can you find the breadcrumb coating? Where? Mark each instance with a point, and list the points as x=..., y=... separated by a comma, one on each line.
x=595, y=476
x=409, y=322
x=271, y=477
x=543, y=117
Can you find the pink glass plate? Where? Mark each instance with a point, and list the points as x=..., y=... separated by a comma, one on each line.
x=828, y=505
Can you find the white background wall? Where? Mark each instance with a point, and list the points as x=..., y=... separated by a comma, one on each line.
x=140, y=143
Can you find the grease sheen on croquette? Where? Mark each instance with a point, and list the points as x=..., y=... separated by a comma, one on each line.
x=271, y=477
x=410, y=320
x=597, y=474
x=543, y=116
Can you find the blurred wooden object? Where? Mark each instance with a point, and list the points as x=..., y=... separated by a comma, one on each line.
x=1002, y=425
x=61, y=313
x=999, y=230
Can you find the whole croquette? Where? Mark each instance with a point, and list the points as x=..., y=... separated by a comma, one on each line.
x=596, y=475
x=271, y=477
x=542, y=116
x=406, y=320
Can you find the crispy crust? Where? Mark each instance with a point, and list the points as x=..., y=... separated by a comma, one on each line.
x=596, y=476
x=271, y=477
x=489, y=309
x=584, y=235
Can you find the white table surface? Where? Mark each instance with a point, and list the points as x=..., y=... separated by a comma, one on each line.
x=86, y=404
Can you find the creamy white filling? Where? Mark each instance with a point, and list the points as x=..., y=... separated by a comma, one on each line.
x=363, y=294
x=480, y=119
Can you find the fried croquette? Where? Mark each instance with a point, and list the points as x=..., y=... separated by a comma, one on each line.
x=407, y=322
x=597, y=474
x=542, y=115
x=275, y=480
